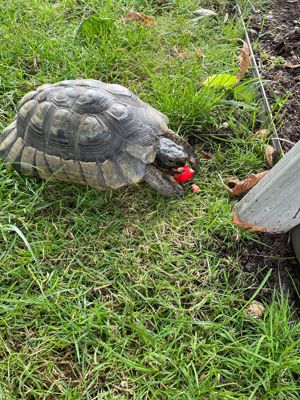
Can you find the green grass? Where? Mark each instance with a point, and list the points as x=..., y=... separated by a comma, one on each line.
x=125, y=294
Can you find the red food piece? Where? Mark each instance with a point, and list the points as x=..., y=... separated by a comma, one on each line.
x=184, y=174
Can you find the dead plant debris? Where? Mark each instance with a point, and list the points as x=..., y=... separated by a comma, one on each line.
x=262, y=134
x=199, y=53
x=236, y=187
x=291, y=65
x=195, y=188
x=244, y=59
x=255, y=310
x=270, y=153
x=140, y=17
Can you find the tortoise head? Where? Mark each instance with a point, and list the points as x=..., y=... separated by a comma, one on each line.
x=169, y=154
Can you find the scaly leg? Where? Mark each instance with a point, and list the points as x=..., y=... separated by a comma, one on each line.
x=164, y=184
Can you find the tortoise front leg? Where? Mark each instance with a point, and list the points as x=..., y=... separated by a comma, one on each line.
x=192, y=156
x=164, y=184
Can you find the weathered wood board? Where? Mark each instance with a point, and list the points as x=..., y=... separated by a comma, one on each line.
x=274, y=203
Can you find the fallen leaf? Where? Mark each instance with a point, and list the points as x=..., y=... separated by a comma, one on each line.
x=244, y=59
x=238, y=187
x=202, y=377
x=144, y=19
x=236, y=237
x=270, y=152
x=221, y=81
x=262, y=134
x=291, y=65
x=255, y=309
x=179, y=52
x=207, y=156
x=182, y=54
x=199, y=54
x=149, y=21
x=195, y=188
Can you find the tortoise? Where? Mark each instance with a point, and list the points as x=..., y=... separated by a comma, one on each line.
x=94, y=133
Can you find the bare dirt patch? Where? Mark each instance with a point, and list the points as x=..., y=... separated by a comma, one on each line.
x=280, y=54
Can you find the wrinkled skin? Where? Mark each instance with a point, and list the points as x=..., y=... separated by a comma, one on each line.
x=173, y=151
x=170, y=155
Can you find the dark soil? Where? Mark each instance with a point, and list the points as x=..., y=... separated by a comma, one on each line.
x=279, y=48
x=279, y=52
x=272, y=252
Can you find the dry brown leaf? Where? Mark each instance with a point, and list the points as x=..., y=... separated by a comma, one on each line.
x=199, y=53
x=149, y=21
x=182, y=54
x=144, y=19
x=291, y=65
x=262, y=134
x=236, y=237
x=244, y=59
x=269, y=154
x=134, y=15
x=207, y=156
x=255, y=309
x=195, y=188
x=238, y=187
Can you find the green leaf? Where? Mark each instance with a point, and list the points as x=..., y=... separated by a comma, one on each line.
x=94, y=26
x=244, y=93
x=221, y=81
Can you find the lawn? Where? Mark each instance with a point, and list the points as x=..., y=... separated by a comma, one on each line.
x=126, y=294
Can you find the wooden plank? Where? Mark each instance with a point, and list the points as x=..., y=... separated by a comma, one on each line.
x=274, y=203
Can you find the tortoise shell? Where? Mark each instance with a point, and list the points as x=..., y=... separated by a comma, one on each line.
x=83, y=131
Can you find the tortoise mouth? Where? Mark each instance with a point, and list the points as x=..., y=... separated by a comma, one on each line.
x=170, y=155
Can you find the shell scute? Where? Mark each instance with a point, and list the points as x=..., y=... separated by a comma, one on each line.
x=34, y=135
x=92, y=174
x=15, y=152
x=96, y=141
x=87, y=131
x=28, y=96
x=92, y=101
x=26, y=109
x=59, y=127
x=28, y=161
x=92, y=131
x=8, y=138
x=120, y=111
x=47, y=94
x=111, y=176
x=132, y=168
x=42, y=166
x=114, y=88
x=146, y=154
